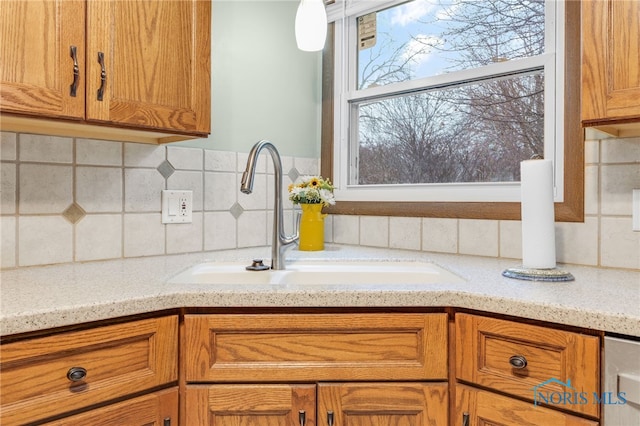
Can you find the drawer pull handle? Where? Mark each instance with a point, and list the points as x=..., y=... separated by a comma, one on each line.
x=518, y=361
x=302, y=417
x=76, y=72
x=330, y=418
x=103, y=76
x=465, y=419
x=76, y=374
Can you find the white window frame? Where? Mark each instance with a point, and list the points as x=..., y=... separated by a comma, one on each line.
x=344, y=12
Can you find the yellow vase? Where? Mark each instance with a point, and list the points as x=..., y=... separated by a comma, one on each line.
x=311, y=227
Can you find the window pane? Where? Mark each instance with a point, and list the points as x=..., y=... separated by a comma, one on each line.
x=478, y=132
x=423, y=38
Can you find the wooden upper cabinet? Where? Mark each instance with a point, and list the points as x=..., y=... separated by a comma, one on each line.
x=610, y=62
x=37, y=70
x=151, y=59
x=155, y=63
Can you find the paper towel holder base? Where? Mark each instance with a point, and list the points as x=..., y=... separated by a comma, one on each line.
x=531, y=274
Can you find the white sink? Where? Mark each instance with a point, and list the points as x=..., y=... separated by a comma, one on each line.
x=319, y=272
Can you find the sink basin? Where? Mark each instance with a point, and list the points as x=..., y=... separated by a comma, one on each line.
x=319, y=272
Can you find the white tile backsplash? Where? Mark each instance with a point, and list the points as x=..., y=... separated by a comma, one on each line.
x=114, y=192
x=44, y=188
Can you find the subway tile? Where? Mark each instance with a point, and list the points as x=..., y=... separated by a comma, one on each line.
x=620, y=245
x=143, y=190
x=7, y=188
x=185, y=237
x=98, y=152
x=188, y=181
x=45, y=149
x=219, y=231
x=440, y=235
x=478, y=237
x=8, y=242
x=143, y=155
x=144, y=235
x=405, y=232
x=45, y=188
x=617, y=184
x=221, y=161
x=8, y=146
x=185, y=158
x=577, y=242
x=221, y=188
x=374, y=231
x=99, y=189
x=98, y=237
x=44, y=240
x=346, y=229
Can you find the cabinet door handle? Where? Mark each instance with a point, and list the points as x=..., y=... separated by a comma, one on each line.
x=103, y=76
x=518, y=361
x=465, y=419
x=76, y=72
x=330, y=418
x=77, y=374
x=302, y=417
x=166, y=421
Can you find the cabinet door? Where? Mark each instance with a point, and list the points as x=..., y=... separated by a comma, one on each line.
x=37, y=70
x=156, y=59
x=383, y=404
x=475, y=407
x=156, y=409
x=611, y=54
x=250, y=405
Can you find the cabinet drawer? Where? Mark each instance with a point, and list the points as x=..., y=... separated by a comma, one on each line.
x=285, y=347
x=118, y=359
x=555, y=363
x=480, y=407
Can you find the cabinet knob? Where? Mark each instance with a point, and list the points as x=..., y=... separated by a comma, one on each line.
x=76, y=374
x=518, y=361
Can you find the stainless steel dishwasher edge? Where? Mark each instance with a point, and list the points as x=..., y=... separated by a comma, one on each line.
x=621, y=377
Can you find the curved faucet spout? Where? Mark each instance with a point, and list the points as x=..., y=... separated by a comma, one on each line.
x=279, y=240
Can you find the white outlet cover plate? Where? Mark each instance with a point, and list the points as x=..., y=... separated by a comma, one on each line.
x=177, y=206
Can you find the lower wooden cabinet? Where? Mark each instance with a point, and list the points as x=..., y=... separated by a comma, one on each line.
x=476, y=407
x=154, y=409
x=46, y=377
x=353, y=404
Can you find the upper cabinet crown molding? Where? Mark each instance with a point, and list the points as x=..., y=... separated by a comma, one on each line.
x=611, y=66
x=140, y=70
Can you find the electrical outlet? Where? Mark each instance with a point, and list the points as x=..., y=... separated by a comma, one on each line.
x=635, y=215
x=177, y=206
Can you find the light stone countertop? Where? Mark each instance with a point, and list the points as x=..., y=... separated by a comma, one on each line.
x=42, y=297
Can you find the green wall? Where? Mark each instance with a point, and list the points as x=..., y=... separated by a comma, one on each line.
x=263, y=87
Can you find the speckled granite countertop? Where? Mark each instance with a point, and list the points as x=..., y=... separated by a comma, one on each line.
x=43, y=297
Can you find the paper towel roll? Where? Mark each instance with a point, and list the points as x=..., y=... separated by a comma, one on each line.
x=538, y=224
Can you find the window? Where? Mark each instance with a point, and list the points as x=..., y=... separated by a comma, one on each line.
x=436, y=102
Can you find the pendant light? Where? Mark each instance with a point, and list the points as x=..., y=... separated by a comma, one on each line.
x=311, y=25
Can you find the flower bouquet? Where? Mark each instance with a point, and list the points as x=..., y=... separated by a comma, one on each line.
x=312, y=194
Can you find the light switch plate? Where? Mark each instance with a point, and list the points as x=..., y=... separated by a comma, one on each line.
x=635, y=218
x=177, y=206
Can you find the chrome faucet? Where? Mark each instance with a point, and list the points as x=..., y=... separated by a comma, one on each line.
x=279, y=241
